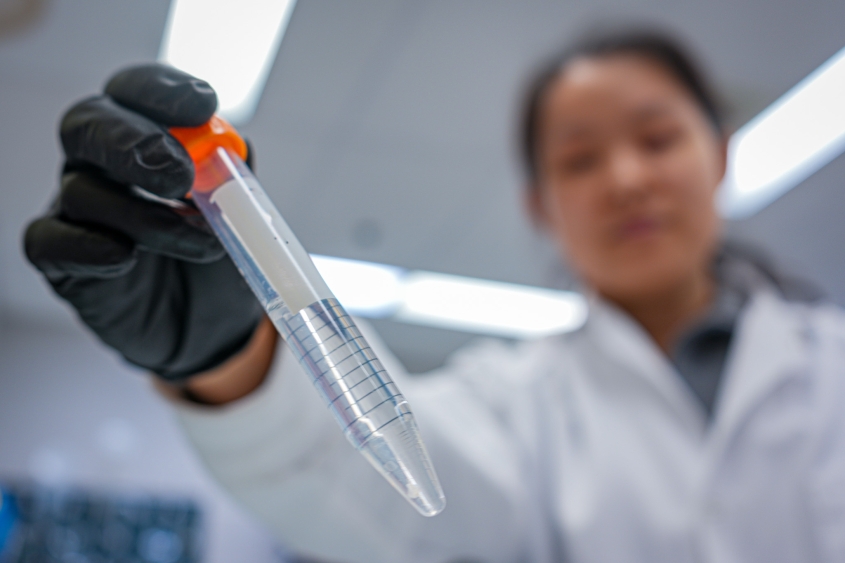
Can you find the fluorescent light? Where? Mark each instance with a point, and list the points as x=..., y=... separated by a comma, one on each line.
x=452, y=302
x=230, y=44
x=364, y=288
x=502, y=309
x=790, y=140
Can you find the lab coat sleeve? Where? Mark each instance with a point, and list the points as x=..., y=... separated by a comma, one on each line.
x=282, y=455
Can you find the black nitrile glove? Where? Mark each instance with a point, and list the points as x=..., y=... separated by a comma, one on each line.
x=148, y=276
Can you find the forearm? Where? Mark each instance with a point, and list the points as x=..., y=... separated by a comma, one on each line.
x=237, y=377
x=280, y=452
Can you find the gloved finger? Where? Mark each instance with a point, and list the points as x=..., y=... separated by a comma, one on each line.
x=178, y=230
x=129, y=147
x=164, y=94
x=60, y=249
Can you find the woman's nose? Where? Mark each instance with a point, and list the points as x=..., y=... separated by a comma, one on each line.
x=629, y=175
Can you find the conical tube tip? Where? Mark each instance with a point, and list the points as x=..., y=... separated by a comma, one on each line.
x=398, y=453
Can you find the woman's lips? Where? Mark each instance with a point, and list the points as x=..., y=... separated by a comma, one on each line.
x=638, y=228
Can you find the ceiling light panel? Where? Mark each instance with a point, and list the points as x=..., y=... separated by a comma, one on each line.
x=786, y=143
x=229, y=44
x=451, y=302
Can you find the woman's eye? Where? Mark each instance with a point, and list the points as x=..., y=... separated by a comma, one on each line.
x=578, y=163
x=661, y=141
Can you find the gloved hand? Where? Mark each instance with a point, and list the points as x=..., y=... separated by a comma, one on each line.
x=145, y=274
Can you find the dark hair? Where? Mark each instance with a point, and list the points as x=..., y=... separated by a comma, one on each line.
x=655, y=45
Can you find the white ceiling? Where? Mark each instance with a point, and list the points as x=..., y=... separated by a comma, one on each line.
x=385, y=129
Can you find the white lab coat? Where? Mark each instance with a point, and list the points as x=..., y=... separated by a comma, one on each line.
x=584, y=447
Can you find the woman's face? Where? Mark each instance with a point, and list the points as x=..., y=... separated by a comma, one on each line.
x=628, y=166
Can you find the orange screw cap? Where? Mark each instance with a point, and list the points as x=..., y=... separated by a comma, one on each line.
x=203, y=140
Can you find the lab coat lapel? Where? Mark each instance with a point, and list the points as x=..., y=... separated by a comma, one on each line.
x=768, y=350
x=627, y=344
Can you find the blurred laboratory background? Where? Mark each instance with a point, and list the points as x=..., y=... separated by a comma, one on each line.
x=384, y=133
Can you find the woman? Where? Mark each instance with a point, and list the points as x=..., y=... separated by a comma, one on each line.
x=699, y=415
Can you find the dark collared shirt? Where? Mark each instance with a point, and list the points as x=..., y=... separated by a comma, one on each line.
x=702, y=351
